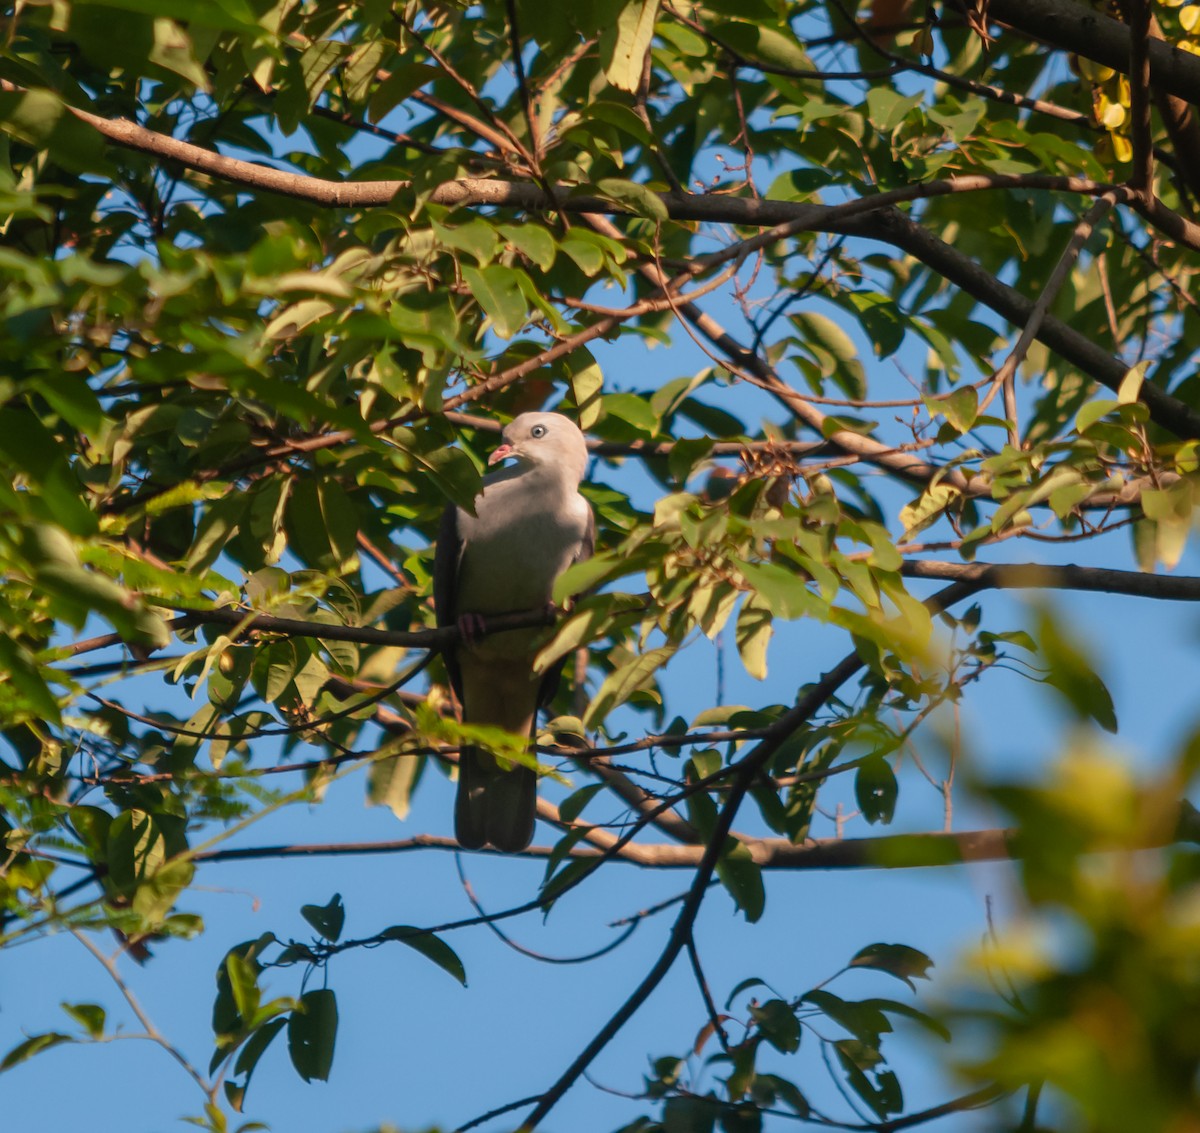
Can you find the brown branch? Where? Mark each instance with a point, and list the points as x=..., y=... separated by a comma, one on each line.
x=1142, y=178
x=888, y=851
x=1084, y=31
x=1125, y=497
x=641, y=801
x=1006, y=376
x=1038, y=576
x=1169, y=222
x=363, y=635
x=887, y=224
x=646, y=450
x=745, y=773
x=740, y=59
x=752, y=367
x=884, y=223
x=893, y=227
x=108, y=640
x=475, y=191
x=514, y=38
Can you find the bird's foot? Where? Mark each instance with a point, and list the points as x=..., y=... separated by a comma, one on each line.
x=472, y=627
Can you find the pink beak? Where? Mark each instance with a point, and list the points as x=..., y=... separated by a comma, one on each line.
x=500, y=453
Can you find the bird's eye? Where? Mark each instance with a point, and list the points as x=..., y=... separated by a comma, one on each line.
x=537, y=431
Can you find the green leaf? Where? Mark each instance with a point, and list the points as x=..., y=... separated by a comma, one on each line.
x=157, y=894
x=1092, y=412
x=451, y=470
x=753, y=635
x=863, y=1020
x=744, y=1118
x=397, y=87
x=897, y=960
x=624, y=681
x=891, y=1007
x=742, y=877
x=572, y=806
x=255, y=1047
x=1131, y=384
x=631, y=409
x=926, y=509
x=31, y=1046
x=312, y=1034
x=173, y=50
x=390, y=781
x=90, y=1016
x=40, y=118
x=243, y=984
x=498, y=291
x=887, y=107
x=476, y=237
x=876, y=789
x=587, y=384
x=135, y=848
x=883, y=1095
x=780, y=590
x=326, y=919
x=431, y=947
x=882, y=320
x=19, y=671
x=532, y=241
x=960, y=408
x=640, y=200
x=226, y=1018
x=781, y=49
x=822, y=331
x=778, y=1024
x=1073, y=676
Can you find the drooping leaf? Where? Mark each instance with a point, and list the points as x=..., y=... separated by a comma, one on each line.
x=312, y=1034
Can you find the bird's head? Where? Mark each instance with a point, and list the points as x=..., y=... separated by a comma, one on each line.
x=544, y=440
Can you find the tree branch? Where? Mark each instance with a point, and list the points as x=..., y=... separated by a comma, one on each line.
x=888, y=851
x=883, y=223
x=1084, y=31
x=1038, y=576
x=363, y=635
x=893, y=227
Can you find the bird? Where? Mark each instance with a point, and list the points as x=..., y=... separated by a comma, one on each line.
x=530, y=524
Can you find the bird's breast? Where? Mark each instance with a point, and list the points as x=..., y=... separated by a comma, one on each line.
x=515, y=547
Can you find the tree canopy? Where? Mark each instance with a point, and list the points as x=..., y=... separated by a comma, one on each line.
x=867, y=315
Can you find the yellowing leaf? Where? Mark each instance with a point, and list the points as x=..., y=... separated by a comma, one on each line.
x=926, y=508
x=753, y=635
x=1131, y=384
x=635, y=30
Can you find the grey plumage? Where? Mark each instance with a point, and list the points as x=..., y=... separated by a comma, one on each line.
x=531, y=523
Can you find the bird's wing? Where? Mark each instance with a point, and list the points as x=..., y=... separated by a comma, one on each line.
x=587, y=547
x=445, y=587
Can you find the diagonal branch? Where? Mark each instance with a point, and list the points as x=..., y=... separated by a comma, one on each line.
x=1082, y=30
x=1036, y=576
x=745, y=774
x=893, y=227
x=1005, y=377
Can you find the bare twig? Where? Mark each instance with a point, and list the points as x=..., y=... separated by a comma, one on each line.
x=152, y=1032
x=1005, y=377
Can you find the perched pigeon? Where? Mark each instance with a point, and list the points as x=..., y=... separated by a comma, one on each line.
x=531, y=523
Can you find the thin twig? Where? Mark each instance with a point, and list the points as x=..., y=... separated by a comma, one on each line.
x=152, y=1032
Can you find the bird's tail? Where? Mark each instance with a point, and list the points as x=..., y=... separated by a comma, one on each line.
x=493, y=804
